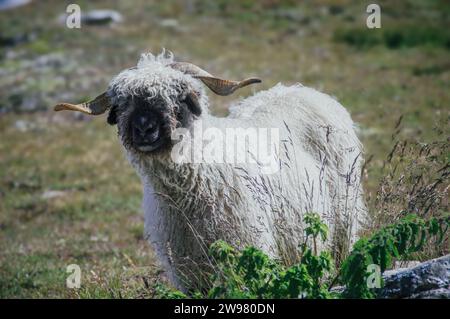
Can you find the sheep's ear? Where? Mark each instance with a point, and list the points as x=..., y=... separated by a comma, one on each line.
x=112, y=116
x=192, y=103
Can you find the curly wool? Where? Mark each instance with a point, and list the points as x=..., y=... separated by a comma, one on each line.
x=153, y=78
x=188, y=206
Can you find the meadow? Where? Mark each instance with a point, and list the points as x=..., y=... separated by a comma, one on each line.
x=67, y=193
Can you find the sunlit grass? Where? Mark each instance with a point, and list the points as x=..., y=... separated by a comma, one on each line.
x=96, y=220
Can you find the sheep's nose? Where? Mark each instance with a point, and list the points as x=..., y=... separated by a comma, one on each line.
x=143, y=125
x=144, y=130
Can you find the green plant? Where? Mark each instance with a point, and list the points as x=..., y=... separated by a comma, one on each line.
x=314, y=228
x=396, y=241
x=164, y=292
x=250, y=273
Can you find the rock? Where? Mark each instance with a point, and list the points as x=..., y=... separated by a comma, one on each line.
x=441, y=293
x=427, y=280
x=338, y=289
x=23, y=101
x=430, y=279
x=100, y=17
x=32, y=103
x=9, y=4
x=169, y=23
x=23, y=126
x=51, y=60
x=96, y=17
x=406, y=264
x=42, y=82
x=99, y=238
x=172, y=24
x=50, y=194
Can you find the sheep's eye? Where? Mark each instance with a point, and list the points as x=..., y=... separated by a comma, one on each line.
x=112, y=116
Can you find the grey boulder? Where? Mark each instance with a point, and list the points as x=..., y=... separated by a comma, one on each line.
x=430, y=280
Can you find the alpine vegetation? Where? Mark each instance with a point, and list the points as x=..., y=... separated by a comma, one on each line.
x=190, y=204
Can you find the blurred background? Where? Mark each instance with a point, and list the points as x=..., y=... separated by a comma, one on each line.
x=67, y=194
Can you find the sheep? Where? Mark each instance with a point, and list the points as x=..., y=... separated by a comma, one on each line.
x=160, y=105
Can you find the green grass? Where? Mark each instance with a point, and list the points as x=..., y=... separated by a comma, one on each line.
x=97, y=222
x=403, y=36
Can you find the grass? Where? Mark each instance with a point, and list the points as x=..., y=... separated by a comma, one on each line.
x=96, y=220
x=402, y=36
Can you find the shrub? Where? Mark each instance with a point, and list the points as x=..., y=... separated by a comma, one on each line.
x=396, y=241
x=250, y=273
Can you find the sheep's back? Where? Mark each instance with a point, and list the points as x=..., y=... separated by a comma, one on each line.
x=321, y=152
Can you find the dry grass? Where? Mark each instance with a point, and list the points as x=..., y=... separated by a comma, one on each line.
x=415, y=180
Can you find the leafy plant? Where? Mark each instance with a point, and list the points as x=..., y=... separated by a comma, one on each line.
x=164, y=292
x=251, y=273
x=392, y=242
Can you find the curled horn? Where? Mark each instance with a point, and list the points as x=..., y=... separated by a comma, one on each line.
x=97, y=106
x=218, y=86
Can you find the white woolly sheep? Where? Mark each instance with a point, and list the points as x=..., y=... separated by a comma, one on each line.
x=190, y=204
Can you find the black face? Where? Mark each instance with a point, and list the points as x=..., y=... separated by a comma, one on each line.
x=147, y=132
x=149, y=126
